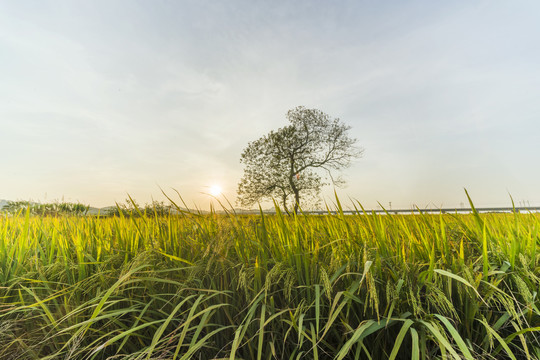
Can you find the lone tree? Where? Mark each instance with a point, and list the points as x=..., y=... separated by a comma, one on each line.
x=296, y=161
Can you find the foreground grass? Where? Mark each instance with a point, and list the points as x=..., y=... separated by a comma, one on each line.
x=195, y=286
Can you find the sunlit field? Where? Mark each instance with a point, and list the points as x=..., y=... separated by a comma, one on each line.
x=228, y=286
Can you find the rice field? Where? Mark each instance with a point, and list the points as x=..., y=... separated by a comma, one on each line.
x=228, y=286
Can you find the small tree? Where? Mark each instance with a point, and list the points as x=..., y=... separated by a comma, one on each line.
x=296, y=160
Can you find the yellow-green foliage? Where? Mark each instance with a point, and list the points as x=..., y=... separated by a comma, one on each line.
x=194, y=286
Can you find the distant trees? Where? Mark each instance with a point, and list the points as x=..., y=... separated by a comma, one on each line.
x=48, y=209
x=129, y=208
x=132, y=208
x=295, y=161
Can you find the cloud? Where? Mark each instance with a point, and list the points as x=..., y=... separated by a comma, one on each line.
x=122, y=96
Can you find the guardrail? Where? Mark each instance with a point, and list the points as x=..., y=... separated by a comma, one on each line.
x=434, y=210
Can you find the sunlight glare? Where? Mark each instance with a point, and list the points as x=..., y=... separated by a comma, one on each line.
x=215, y=190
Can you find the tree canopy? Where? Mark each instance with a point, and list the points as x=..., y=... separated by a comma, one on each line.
x=297, y=160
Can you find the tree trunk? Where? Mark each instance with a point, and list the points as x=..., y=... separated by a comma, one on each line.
x=285, y=203
x=296, y=192
x=296, y=200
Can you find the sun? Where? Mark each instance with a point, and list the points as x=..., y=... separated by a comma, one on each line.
x=215, y=190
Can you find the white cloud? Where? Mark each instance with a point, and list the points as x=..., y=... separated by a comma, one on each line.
x=105, y=98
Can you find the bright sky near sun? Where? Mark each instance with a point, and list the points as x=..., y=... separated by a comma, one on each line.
x=103, y=98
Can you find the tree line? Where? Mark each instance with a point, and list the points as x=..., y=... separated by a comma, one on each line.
x=47, y=209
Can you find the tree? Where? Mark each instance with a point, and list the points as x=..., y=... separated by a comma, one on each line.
x=47, y=209
x=296, y=161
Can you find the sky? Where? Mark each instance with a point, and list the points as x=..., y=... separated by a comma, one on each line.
x=100, y=99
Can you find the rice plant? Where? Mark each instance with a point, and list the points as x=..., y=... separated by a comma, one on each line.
x=188, y=285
